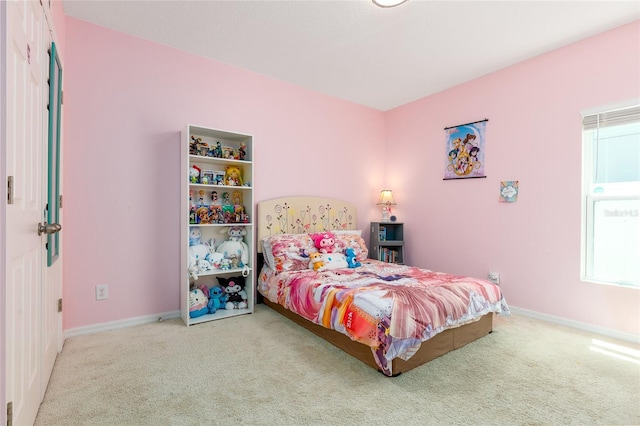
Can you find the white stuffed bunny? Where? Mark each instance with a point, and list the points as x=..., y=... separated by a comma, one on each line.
x=200, y=252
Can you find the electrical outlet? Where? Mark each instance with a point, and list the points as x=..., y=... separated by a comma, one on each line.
x=102, y=292
x=494, y=277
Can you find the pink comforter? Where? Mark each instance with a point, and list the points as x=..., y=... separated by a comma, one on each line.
x=391, y=308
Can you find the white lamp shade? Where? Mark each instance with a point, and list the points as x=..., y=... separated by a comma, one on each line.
x=386, y=198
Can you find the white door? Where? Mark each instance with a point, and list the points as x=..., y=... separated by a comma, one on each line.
x=29, y=352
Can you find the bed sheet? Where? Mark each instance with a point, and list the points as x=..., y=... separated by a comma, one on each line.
x=388, y=307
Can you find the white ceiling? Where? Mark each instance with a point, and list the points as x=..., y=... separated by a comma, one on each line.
x=354, y=50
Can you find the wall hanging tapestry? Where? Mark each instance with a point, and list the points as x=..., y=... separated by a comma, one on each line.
x=465, y=150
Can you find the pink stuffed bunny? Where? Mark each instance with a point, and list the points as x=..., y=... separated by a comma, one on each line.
x=324, y=241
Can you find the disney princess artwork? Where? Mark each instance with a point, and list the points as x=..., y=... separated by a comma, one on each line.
x=465, y=150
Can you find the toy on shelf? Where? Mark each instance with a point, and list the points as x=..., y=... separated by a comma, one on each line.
x=207, y=177
x=234, y=289
x=194, y=236
x=242, y=152
x=198, y=253
x=197, y=303
x=216, y=296
x=227, y=152
x=218, y=177
x=234, y=248
x=216, y=151
x=194, y=174
x=194, y=145
x=233, y=176
x=236, y=198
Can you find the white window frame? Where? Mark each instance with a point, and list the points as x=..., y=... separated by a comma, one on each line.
x=614, y=191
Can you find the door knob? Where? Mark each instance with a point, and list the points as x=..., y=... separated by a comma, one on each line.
x=49, y=228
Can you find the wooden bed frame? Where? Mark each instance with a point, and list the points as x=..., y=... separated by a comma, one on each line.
x=296, y=215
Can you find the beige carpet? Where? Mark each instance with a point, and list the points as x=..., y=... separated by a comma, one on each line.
x=262, y=369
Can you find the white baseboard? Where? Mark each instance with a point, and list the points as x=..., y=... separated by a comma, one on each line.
x=576, y=324
x=114, y=325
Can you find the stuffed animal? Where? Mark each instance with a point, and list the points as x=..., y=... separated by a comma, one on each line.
x=350, y=254
x=324, y=241
x=194, y=174
x=315, y=262
x=197, y=303
x=203, y=266
x=233, y=176
x=197, y=252
x=194, y=236
x=217, y=299
x=234, y=248
x=334, y=261
x=234, y=289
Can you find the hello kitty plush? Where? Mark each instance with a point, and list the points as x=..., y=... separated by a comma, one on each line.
x=324, y=241
x=197, y=303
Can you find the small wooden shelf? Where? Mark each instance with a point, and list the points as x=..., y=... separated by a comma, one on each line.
x=386, y=242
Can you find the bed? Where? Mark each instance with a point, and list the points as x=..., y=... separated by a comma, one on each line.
x=391, y=317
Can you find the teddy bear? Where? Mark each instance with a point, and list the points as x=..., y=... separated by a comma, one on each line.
x=233, y=176
x=197, y=303
x=350, y=254
x=234, y=289
x=324, y=241
x=315, y=262
x=234, y=248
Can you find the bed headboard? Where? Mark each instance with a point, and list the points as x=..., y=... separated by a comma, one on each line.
x=301, y=215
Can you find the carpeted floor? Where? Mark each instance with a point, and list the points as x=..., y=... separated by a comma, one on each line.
x=262, y=369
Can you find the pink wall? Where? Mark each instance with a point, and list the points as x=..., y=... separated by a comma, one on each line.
x=534, y=136
x=126, y=101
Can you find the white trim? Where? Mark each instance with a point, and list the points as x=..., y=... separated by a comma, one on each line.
x=114, y=325
x=576, y=324
x=610, y=107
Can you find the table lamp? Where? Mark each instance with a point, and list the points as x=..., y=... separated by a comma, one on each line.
x=386, y=201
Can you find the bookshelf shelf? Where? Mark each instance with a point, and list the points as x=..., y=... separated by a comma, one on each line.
x=386, y=242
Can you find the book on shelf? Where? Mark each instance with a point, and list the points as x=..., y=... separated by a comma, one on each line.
x=382, y=234
x=388, y=255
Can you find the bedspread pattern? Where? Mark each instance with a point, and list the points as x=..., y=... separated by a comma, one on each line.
x=391, y=308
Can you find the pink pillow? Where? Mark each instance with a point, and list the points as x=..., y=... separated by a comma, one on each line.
x=287, y=252
x=290, y=252
x=347, y=239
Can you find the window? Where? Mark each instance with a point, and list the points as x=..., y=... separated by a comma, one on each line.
x=611, y=197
